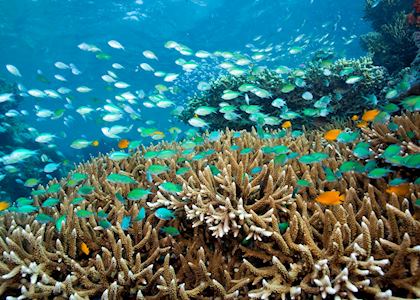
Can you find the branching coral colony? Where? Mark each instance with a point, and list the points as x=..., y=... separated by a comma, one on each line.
x=232, y=216
x=391, y=44
x=311, y=96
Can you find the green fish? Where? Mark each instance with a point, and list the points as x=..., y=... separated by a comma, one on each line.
x=25, y=209
x=303, y=182
x=362, y=150
x=182, y=171
x=43, y=218
x=214, y=170
x=283, y=226
x=347, y=137
x=378, y=173
x=120, y=198
x=50, y=202
x=166, y=154
x=164, y=214
x=55, y=188
x=77, y=200
x=31, y=182
x=350, y=165
x=138, y=194
x=280, y=149
x=157, y=169
x=280, y=159
x=24, y=201
x=150, y=154
x=246, y=151
x=411, y=161
x=85, y=190
x=78, y=176
x=171, y=187
x=287, y=88
x=126, y=222
x=105, y=224
x=38, y=192
x=411, y=103
x=120, y=179
x=102, y=214
x=391, y=151
x=141, y=215
x=313, y=158
x=59, y=222
x=82, y=213
x=390, y=108
x=370, y=165
x=354, y=79
x=119, y=155
x=397, y=181
x=330, y=176
x=170, y=230
x=103, y=56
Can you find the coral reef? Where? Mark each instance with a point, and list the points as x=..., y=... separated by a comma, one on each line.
x=391, y=44
x=229, y=218
x=332, y=94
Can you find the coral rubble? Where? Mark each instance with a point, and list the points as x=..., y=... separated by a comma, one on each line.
x=234, y=224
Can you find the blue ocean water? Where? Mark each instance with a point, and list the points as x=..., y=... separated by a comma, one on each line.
x=35, y=35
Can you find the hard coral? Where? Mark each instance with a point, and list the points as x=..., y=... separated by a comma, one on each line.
x=391, y=44
x=321, y=78
x=246, y=227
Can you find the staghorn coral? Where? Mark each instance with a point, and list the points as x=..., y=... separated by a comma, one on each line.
x=321, y=78
x=232, y=243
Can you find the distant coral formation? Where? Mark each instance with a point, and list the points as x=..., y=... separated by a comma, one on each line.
x=239, y=222
x=322, y=92
x=391, y=43
x=14, y=134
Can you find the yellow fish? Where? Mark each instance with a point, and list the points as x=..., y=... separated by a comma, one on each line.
x=286, y=124
x=370, y=115
x=95, y=143
x=4, y=205
x=332, y=134
x=355, y=117
x=123, y=144
x=399, y=190
x=362, y=124
x=330, y=198
x=84, y=248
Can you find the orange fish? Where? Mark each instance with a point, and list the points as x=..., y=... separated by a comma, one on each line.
x=4, y=205
x=355, y=117
x=362, y=124
x=286, y=124
x=370, y=115
x=332, y=134
x=95, y=143
x=399, y=190
x=84, y=248
x=123, y=144
x=330, y=198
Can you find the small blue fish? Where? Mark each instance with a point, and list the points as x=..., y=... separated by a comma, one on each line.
x=126, y=221
x=164, y=213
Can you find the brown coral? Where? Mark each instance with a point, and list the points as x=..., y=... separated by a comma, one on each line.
x=230, y=244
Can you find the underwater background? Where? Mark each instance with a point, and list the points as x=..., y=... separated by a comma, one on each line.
x=209, y=149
